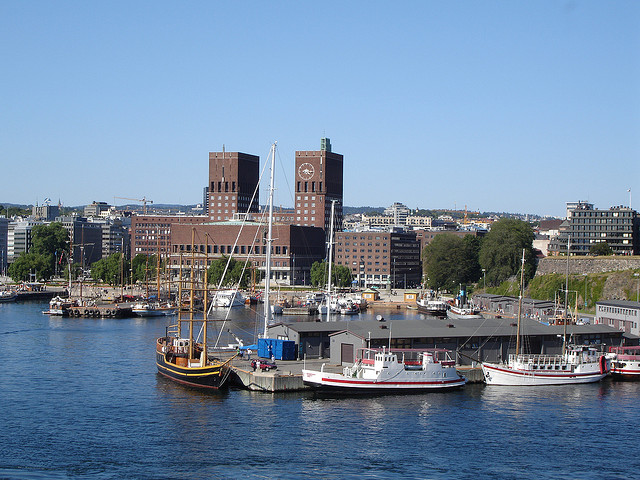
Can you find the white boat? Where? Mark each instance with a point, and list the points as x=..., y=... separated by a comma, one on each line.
x=8, y=296
x=382, y=370
x=58, y=306
x=576, y=363
x=228, y=298
x=430, y=305
x=153, y=309
x=624, y=362
x=464, y=312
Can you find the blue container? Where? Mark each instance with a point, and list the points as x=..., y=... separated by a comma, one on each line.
x=281, y=349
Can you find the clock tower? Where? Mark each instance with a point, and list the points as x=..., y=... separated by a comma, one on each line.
x=318, y=183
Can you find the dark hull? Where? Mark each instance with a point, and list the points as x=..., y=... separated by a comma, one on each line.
x=432, y=312
x=212, y=377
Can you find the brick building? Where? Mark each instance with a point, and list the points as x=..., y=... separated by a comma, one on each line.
x=151, y=234
x=318, y=181
x=380, y=258
x=233, y=184
x=294, y=247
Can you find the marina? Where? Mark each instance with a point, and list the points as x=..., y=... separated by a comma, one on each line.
x=59, y=393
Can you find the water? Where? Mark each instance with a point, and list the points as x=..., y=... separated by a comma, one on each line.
x=81, y=399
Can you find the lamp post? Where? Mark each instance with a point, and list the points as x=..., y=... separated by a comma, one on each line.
x=484, y=276
x=637, y=275
x=585, y=290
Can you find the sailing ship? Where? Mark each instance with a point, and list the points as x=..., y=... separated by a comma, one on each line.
x=330, y=303
x=180, y=355
x=576, y=363
x=390, y=370
x=147, y=308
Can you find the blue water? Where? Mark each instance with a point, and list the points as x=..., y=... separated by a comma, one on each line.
x=81, y=399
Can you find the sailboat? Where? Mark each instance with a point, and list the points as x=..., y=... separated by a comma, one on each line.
x=576, y=363
x=330, y=304
x=180, y=356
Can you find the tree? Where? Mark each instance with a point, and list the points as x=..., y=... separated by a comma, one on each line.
x=450, y=260
x=108, y=269
x=341, y=275
x=28, y=263
x=237, y=274
x=600, y=248
x=49, y=242
x=501, y=250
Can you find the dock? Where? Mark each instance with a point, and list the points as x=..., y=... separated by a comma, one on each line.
x=288, y=376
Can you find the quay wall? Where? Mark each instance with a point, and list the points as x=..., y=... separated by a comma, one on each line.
x=580, y=265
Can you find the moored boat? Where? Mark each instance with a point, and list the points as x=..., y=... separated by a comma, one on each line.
x=625, y=362
x=228, y=298
x=463, y=312
x=432, y=306
x=576, y=363
x=390, y=370
x=8, y=296
x=153, y=309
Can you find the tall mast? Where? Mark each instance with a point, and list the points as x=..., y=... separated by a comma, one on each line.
x=330, y=259
x=267, y=275
x=566, y=297
x=520, y=304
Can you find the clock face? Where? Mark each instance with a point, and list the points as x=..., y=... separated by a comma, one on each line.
x=305, y=171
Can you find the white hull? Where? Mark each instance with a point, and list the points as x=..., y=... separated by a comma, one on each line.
x=462, y=315
x=387, y=373
x=500, y=374
x=340, y=382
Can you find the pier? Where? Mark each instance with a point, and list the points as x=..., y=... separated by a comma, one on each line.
x=288, y=376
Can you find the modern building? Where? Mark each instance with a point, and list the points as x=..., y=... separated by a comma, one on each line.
x=380, y=259
x=85, y=238
x=399, y=213
x=620, y=314
x=319, y=182
x=4, y=244
x=233, y=185
x=295, y=248
x=618, y=227
x=19, y=237
x=96, y=209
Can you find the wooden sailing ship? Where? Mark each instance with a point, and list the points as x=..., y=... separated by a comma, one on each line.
x=182, y=354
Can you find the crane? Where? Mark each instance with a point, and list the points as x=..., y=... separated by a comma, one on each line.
x=143, y=200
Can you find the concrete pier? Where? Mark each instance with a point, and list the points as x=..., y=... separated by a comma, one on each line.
x=288, y=376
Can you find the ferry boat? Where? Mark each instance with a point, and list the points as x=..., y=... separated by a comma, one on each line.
x=576, y=364
x=390, y=370
x=625, y=362
x=59, y=306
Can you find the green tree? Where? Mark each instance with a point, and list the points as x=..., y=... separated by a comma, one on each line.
x=600, y=248
x=341, y=275
x=28, y=263
x=450, y=260
x=234, y=276
x=501, y=250
x=50, y=242
x=108, y=269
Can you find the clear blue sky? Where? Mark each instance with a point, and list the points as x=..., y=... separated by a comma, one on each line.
x=498, y=105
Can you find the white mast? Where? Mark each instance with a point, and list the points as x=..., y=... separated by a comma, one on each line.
x=267, y=275
x=330, y=259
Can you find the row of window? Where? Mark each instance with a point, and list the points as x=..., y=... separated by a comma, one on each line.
x=229, y=249
x=629, y=312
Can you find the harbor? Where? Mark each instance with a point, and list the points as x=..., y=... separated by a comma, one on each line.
x=99, y=375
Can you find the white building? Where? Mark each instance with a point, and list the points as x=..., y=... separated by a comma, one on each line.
x=621, y=314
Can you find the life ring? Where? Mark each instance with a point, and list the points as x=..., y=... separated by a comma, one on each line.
x=603, y=364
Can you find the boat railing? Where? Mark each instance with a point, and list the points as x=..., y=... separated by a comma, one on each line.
x=535, y=359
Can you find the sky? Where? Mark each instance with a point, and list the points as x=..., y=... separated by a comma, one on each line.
x=507, y=106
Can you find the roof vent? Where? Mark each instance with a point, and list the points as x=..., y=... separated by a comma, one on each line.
x=383, y=327
x=451, y=325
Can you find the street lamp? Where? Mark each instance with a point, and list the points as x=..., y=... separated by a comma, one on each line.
x=484, y=275
x=637, y=275
x=585, y=290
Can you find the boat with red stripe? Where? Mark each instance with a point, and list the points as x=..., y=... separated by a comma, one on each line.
x=390, y=370
x=625, y=362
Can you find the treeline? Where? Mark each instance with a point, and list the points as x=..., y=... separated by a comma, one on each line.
x=449, y=261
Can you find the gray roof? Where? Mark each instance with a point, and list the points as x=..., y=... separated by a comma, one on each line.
x=446, y=328
x=619, y=303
